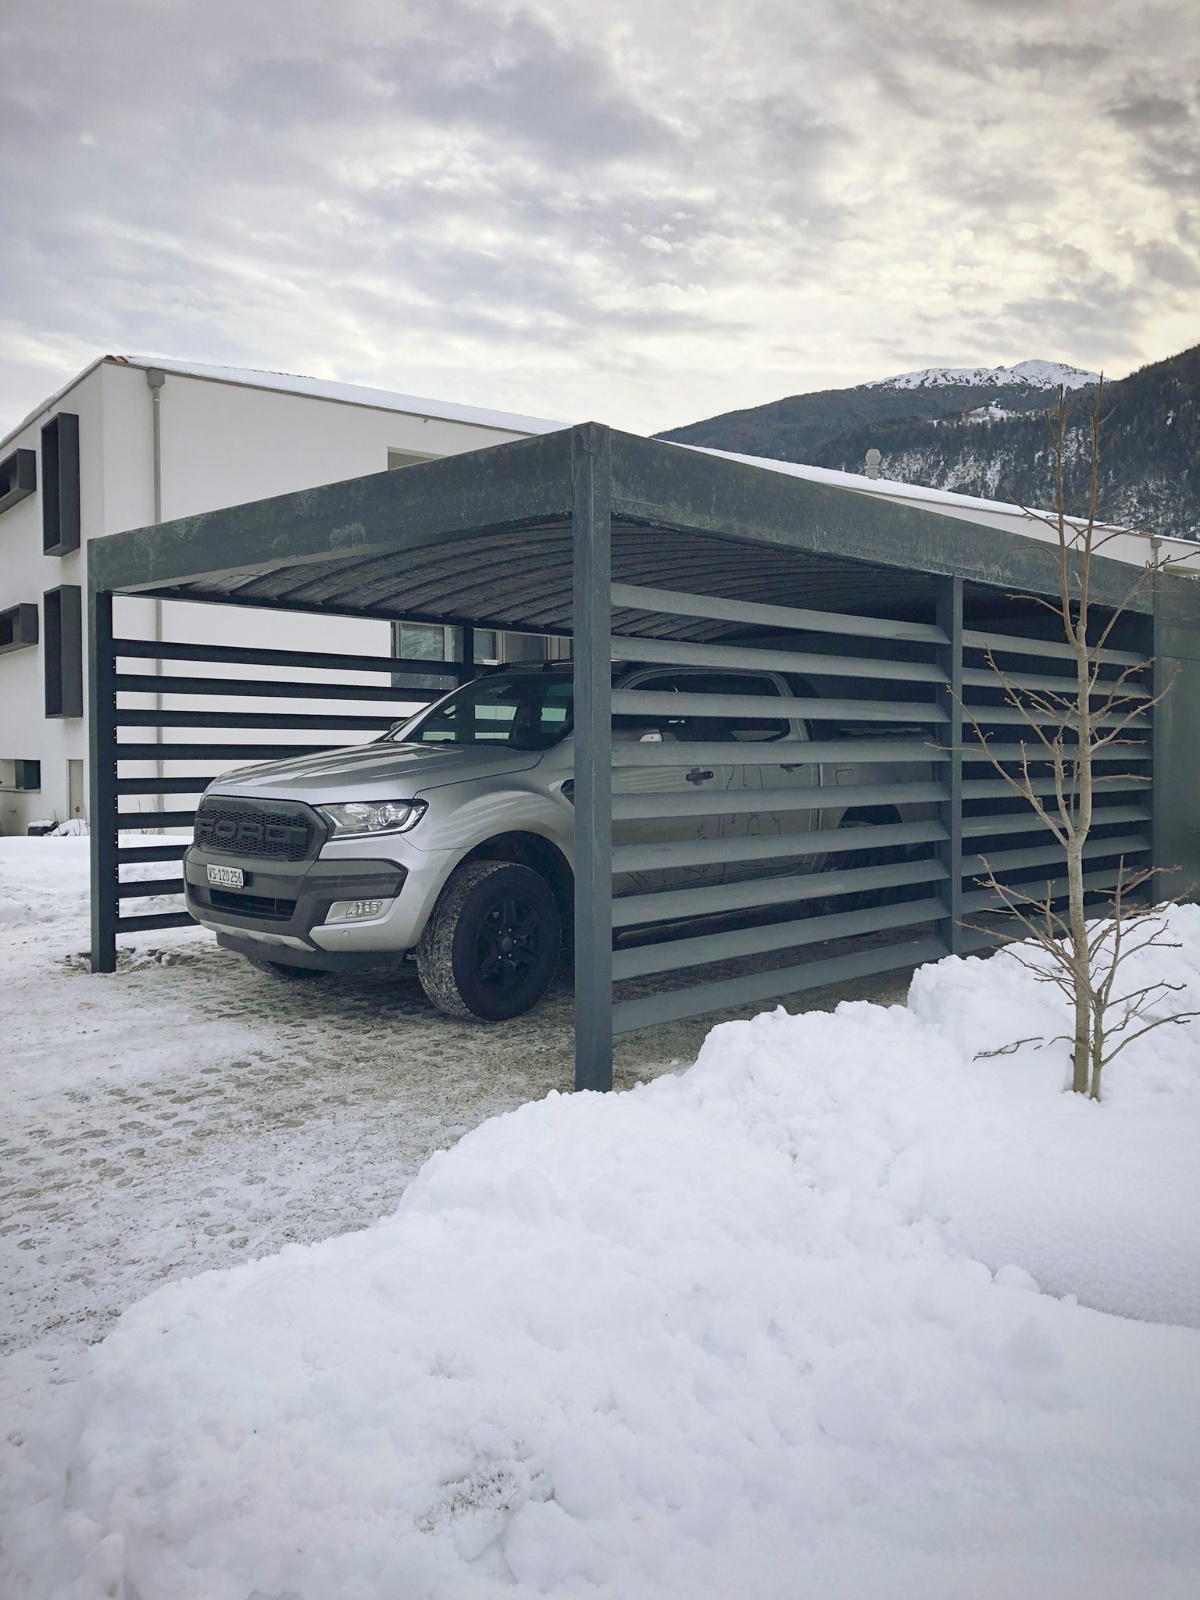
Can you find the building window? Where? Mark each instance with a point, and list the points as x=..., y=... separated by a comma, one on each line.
x=18, y=627
x=60, y=485
x=22, y=776
x=406, y=458
x=422, y=641
x=18, y=478
x=430, y=641
x=62, y=651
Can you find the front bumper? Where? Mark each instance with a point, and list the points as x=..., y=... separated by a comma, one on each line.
x=281, y=904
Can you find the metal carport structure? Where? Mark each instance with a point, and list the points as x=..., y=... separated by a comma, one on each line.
x=645, y=551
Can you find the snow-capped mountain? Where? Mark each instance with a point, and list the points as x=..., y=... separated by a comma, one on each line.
x=793, y=429
x=982, y=430
x=1026, y=374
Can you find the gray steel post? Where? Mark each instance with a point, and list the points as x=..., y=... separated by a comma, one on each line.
x=592, y=623
x=102, y=754
x=949, y=614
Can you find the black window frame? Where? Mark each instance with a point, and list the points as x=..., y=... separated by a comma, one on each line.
x=18, y=478
x=18, y=627
x=60, y=485
x=62, y=650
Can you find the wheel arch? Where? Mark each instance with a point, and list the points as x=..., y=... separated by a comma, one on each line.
x=533, y=850
x=862, y=816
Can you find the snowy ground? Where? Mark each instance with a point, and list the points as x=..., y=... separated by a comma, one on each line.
x=187, y=1112
x=841, y=1311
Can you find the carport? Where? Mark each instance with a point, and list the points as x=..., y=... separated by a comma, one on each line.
x=648, y=552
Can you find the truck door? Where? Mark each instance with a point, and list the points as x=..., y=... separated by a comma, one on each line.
x=687, y=777
x=791, y=790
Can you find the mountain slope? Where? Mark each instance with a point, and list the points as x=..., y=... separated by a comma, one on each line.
x=991, y=438
x=789, y=430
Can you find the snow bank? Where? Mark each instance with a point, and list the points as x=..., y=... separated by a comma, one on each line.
x=771, y=1328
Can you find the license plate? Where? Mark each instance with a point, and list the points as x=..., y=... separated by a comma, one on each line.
x=227, y=877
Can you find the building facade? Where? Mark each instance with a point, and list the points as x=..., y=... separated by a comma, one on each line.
x=132, y=442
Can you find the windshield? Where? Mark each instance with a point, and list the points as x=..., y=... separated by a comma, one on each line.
x=524, y=711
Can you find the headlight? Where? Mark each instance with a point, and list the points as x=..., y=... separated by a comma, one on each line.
x=373, y=816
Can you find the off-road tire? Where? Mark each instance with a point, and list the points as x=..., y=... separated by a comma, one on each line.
x=464, y=967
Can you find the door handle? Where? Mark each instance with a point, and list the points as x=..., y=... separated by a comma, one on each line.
x=699, y=775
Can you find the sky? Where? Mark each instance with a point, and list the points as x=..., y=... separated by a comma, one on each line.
x=644, y=212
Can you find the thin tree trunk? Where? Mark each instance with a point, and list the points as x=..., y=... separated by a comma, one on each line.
x=1081, y=1052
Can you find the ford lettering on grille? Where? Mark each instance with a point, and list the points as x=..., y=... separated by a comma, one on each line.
x=246, y=830
x=259, y=838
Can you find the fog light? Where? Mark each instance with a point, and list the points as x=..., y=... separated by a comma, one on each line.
x=357, y=910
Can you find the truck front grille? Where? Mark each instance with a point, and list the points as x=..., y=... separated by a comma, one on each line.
x=252, y=905
x=271, y=830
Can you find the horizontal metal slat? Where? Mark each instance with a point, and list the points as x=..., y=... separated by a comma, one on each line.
x=699, y=999
x=253, y=719
x=138, y=683
x=1113, y=782
x=675, y=954
x=157, y=919
x=988, y=899
x=132, y=821
x=164, y=785
x=1035, y=751
x=997, y=715
x=1030, y=822
x=678, y=905
x=245, y=754
x=771, y=847
x=131, y=853
x=985, y=678
x=706, y=802
x=149, y=886
x=773, y=752
x=667, y=601
x=1049, y=855
x=1013, y=644
x=674, y=652
x=652, y=703
x=251, y=656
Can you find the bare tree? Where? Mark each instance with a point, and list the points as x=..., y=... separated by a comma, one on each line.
x=1070, y=730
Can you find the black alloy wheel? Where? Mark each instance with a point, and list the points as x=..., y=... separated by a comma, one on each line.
x=508, y=945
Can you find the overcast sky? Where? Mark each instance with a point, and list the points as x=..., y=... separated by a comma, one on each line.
x=641, y=211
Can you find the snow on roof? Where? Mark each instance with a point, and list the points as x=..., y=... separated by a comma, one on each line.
x=350, y=394
x=1120, y=544
x=318, y=389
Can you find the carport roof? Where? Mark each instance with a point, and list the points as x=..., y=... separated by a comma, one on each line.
x=485, y=538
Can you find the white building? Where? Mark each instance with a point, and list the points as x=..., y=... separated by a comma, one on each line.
x=130, y=442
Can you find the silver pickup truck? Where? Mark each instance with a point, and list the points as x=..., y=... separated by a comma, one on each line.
x=450, y=839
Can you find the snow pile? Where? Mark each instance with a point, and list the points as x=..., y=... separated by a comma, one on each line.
x=771, y=1328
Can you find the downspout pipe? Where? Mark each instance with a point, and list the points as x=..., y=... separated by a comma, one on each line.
x=155, y=379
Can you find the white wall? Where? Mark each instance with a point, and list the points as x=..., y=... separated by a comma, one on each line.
x=222, y=444
x=25, y=574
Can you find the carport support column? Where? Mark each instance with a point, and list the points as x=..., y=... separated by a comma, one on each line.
x=102, y=762
x=592, y=623
x=950, y=620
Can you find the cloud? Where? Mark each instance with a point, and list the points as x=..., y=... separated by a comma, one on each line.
x=648, y=211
